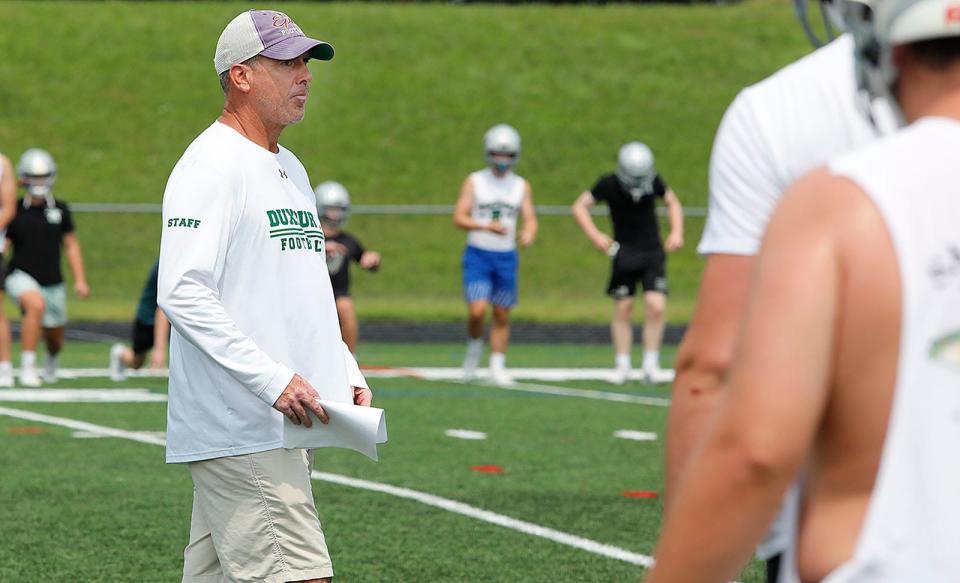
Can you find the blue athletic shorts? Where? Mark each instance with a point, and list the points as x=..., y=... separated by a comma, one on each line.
x=491, y=276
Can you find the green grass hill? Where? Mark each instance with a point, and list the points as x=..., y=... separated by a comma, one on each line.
x=116, y=91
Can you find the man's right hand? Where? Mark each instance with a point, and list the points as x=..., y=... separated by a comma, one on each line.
x=496, y=227
x=602, y=242
x=298, y=398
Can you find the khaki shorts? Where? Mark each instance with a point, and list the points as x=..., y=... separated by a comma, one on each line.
x=254, y=519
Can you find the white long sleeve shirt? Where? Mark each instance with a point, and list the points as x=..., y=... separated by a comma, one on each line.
x=243, y=280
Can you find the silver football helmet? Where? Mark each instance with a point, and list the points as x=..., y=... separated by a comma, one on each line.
x=635, y=168
x=333, y=204
x=878, y=26
x=37, y=172
x=501, y=147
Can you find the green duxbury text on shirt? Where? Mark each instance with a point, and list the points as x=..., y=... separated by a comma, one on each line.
x=297, y=230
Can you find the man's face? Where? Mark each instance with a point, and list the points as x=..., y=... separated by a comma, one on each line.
x=280, y=88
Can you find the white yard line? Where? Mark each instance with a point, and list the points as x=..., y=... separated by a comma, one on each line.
x=529, y=528
x=635, y=435
x=585, y=394
x=465, y=434
x=95, y=395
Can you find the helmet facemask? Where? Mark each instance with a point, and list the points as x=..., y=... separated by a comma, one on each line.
x=333, y=216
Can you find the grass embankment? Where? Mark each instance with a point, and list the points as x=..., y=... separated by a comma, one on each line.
x=117, y=90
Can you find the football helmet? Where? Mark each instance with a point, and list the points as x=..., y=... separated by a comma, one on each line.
x=635, y=168
x=333, y=204
x=37, y=172
x=501, y=147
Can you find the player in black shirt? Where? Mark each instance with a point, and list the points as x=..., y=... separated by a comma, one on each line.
x=636, y=252
x=333, y=208
x=41, y=227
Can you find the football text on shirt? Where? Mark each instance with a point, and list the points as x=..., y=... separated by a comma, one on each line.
x=297, y=230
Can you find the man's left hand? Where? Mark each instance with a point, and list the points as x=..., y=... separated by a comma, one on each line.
x=362, y=397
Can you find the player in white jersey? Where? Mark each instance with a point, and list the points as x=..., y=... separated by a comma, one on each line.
x=490, y=203
x=8, y=208
x=848, y=367
x=243, y=280
x=771, y=134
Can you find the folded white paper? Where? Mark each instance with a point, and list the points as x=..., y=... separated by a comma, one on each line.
x=351, y=427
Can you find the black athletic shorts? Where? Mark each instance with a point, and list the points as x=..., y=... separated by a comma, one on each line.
x=631, y=265
x=142, y=337
x=3, y=273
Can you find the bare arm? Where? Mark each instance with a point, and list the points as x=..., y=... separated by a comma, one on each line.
x=71, y=246
x=778, y=391
x=529, y=216
x=675, y=214
x=8, y=193
x=581, y=212
x=461, y=212
x=161, y=333
x=704, y=359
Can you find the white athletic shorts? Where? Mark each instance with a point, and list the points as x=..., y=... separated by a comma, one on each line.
x=54, y=297
x=254, y=519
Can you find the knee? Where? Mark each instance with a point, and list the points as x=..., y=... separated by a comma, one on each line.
x=624, y=310
x=656, y=306
x=501, y=316
x=32, y=304
x=477, y=310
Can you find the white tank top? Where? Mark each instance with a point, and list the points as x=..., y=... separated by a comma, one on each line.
x=911, y=532
x=497, y=198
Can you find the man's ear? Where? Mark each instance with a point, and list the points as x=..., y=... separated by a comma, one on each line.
x=240, y=77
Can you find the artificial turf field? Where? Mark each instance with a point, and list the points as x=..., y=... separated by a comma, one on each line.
x=108, y=509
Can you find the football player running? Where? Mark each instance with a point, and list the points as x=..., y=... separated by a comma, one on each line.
x=490, y=203
x=333, y=208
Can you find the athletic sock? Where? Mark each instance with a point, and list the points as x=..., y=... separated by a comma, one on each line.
x=28, y=358
x=651, y=360
x=475, y=346
x=498, y=361
x=623, y=362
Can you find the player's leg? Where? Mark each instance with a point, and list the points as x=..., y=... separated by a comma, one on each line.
x=349, y=329
x=504, y=297
x=655, y=306
x=654, y=280
x=54, y=327
x=6, y=368
x=26, y=292
x=622, y=288
x=477, y=287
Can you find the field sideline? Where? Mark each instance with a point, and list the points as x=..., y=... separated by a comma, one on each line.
x=108, y=509
x=397, y=117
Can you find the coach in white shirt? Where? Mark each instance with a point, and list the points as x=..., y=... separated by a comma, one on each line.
x=255, y=337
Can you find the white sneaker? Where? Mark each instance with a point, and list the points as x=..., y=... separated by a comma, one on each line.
x=29, y=377
x=6, y=378
x=659, y=375
x=50, y=371
x=118, y=372
x=500, y=377
x=620, y=376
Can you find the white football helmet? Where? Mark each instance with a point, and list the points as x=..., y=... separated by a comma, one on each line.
x=501, y=147
x=333, y=204
x=37, y=172
x=635, y=168
x=879, y=25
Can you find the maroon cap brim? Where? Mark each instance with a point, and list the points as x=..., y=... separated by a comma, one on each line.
x=293, y=47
